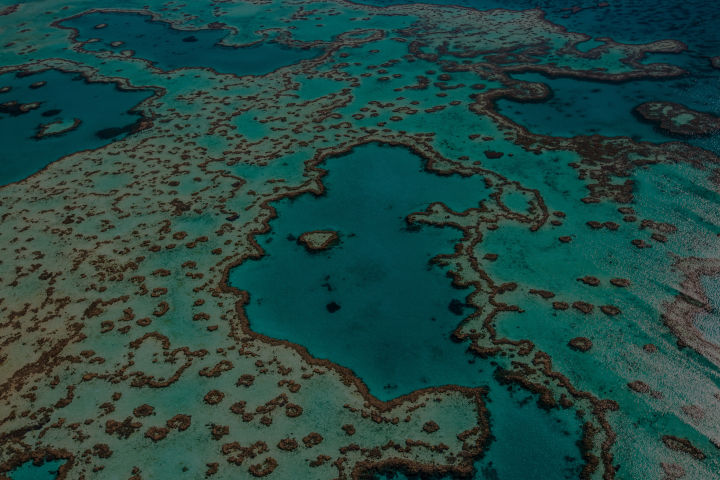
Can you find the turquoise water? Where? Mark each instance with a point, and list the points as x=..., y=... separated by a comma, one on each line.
x=394, y=323
x=374, y=302
x=582, y=107
x=103, y=110
x=48, y=470
x=579, y=107
x=169, y=48
x=529, y=442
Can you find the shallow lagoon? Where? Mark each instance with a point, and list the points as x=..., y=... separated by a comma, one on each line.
x=581, y=107
x=400, y=341
x=29, y=471
x=105, y=114
x=394, y=323
x=169, y=48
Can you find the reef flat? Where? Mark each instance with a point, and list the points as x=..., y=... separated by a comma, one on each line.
x=308, y=239
x=678, y=119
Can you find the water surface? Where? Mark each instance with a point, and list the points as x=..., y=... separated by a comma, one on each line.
x=394, y=322
x=105, y=113
x=169, y=48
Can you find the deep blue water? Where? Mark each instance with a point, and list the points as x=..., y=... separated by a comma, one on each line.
x=168, y=48
x=104, y=111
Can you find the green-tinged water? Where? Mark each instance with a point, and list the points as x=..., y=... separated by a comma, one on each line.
x=30, y=471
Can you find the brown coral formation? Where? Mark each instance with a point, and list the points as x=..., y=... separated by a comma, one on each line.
x=678, y=119
x=51, y=129
x=580, y=344
x=430, y=427
x=318, y=240
x=156, y=433
x=682, y=445
x=288, y=444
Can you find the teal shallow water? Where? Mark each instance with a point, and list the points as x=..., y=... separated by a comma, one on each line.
x=580, y=107
x=529, y=442
x=48, y=470
x=103, y=110
x=707, y=322
x=394, y=311
x=394, y=322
